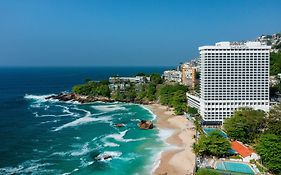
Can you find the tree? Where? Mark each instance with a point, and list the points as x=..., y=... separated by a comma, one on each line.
x=150, y=92
x=245, y=125
x=173, y=96
x=92, y=88
x=206, y=172
x=274, y=120
x=275, y=63
x=192, y=111
x=269, y=148
x=156, y=79
x=212, y=145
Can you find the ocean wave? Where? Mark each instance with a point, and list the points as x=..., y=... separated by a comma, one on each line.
x=110, y=144
x=109, y=108
x=27, y=167
x=83, y=120
x=51, y=121
x=65, y=109
x=39, y=98
x=82, y=151
x=165, y=133
x=62, y=154
x=150, y=112
x=120, y=137
x=76, y=169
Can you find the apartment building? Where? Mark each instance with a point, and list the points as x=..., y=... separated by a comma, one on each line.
x=233, y=75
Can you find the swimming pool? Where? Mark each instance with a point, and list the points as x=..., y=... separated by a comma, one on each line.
x=234, y=167
x=208, y=130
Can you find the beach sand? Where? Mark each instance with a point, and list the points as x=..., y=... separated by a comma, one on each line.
x=179, y=159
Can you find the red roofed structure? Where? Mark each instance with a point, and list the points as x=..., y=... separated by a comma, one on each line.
x=246, y=152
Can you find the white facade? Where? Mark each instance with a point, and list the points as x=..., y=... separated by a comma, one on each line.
x=172, y=75
x=193, y=101
x=122, y=83
x=253, y=156
x=233, y=75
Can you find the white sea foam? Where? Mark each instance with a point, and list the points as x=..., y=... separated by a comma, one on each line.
x=152, y=114
x=65, y=109
x=26, y=167
x=165, y=133
x=84, y=150
x=120, y=137
x=39, y=98
x=85, y=163
x=110, y=144
x=109, y=108
x=51, y=121
x=76, y=169
x=77, y=138
x=60, y=154
x=130, y=156
x=83, y=120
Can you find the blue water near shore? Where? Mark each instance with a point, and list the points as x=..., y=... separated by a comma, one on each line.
x=41, y=136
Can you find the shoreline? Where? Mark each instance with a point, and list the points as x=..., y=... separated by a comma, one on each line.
x=178, y=158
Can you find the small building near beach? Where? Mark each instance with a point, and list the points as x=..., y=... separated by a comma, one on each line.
x=244, y=151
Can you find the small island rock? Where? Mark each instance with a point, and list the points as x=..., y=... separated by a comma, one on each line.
x=145, y=124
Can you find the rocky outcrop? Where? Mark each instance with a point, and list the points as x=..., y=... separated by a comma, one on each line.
x=89, y=99
x=119, y=125
x=104, y=157
x=79, y=98
x=145, y=124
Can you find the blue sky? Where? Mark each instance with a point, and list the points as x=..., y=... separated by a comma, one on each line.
x=126, y=32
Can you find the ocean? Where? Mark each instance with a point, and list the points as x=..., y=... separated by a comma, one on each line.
x=41, y=136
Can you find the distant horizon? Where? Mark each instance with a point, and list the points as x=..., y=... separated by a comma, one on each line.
x=125, y=33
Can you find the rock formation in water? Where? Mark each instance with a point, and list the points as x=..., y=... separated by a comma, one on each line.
x=145, y=124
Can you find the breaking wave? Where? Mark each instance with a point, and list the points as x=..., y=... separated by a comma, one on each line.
x=83, y=120
x=27, y=167
x=109, y=108
x=120, y=137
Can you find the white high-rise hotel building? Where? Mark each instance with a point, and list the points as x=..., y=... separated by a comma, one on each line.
x=233, y=75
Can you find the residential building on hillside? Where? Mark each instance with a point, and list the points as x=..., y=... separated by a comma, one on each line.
x=122, y=82
x=172, y=76
x=188, y=72
x=233, y=75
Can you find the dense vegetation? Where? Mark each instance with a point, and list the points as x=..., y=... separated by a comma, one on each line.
x=192, y=111
x=213, y=144
x=245, y=125
x=275, y=63
x=173, y=95
x=269, y=144
x=269, y=148
x=264, y=132
x=206, y=172
x=92, y=88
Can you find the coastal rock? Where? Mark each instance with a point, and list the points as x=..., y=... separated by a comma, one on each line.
x=79, y=98
x=119, y=125
x=104, y=157
x=145, y=124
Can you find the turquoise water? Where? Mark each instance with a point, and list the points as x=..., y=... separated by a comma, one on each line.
x=208, y=130
x=51, y=137
x=235, y=167
x=77, y=134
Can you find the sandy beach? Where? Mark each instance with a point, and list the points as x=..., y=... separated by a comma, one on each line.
x=179, y=159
